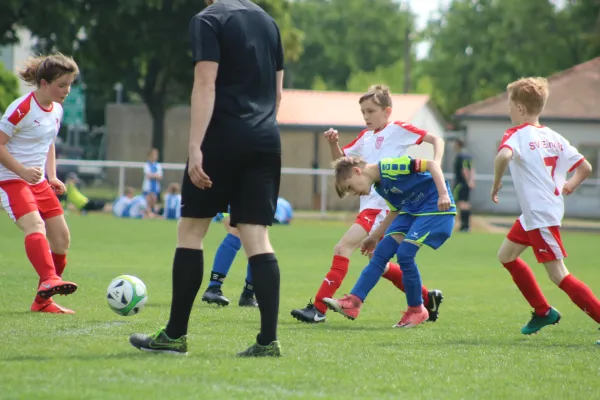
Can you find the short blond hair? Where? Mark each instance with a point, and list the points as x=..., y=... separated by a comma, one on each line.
x=342, y=168
x=532, y=93
x=379, y=94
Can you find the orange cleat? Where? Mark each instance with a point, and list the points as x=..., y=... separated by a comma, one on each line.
x=348, y=306
x=410, y=319
x=53, y=286
x=50, y=306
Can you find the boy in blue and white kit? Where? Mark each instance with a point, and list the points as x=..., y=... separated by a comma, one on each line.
x=121, y=205
x=153, y=174
x=422, y=212
x=138, y=207
x=172, y=207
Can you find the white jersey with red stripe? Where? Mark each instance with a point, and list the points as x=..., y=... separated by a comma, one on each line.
x=373, y=146
x=32, y=129
x=540, y=162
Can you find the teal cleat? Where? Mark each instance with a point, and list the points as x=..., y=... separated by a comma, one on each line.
x=536, y=323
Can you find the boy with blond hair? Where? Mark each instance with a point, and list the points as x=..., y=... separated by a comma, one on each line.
x=539, y=159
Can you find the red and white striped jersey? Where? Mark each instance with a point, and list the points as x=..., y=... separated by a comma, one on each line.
x=32, y=129
x=373, y=146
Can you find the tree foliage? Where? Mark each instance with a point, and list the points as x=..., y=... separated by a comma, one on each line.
x=343, y=37
x=9, y=88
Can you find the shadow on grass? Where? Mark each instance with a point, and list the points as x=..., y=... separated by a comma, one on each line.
x=129, y=355
x=489, y=344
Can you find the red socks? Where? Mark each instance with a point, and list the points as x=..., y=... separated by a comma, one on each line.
x=582, y=296
x=394, y=275
x=525, y=281
x=60, y=262
x=332, y=282
x=38, y=252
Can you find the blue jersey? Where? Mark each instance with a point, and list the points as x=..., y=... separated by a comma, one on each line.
x=121, y=206
x=408, y=187
x=172, y=206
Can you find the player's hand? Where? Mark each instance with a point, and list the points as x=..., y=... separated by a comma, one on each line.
x=472, y=185
x=32, y=175
x=368, y=245
x=568, y=188
x=494, y=192
x=197, y=174
x=444, y=202
x=57, y=185
x=332, y=136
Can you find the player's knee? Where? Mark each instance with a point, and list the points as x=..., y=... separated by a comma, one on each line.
x=233, y=231
x=255, y=239
x=406, y=254
x=503, y=257
x=342, y=249
x=60, y=242
x=31, y=223
x=191, y=232
x=556, y=270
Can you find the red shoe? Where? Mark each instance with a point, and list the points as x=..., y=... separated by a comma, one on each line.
x=53, y=286
x=50, y=306
x=349, y=305
x=410, y=319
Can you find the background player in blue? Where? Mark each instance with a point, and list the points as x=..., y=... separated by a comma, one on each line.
x=464, y=182
x=224, y=258
x=153, y=174
x=422, y=211
x=226, y=254
x=172, y=206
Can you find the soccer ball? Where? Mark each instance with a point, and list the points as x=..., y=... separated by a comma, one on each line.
x=126, y=295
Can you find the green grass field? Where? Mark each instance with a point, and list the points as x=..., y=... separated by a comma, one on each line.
x=474, y=351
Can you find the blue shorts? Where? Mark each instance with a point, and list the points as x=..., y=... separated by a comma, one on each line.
x=430, y=230
x=221, y=216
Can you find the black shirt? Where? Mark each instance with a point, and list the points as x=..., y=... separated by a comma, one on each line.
x=245, y=41
x=462, y=160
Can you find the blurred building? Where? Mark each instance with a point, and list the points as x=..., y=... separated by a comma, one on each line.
x=573, y=110
x=12, y=56
x=303, y=117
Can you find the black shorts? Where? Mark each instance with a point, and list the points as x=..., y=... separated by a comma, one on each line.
x=461, y=192
x=248, y=183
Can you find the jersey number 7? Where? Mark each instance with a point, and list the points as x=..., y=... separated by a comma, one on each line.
x=551, y=167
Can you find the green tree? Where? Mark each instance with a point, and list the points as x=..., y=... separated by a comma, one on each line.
x=343, y=37
x=391, y=76
x=9, y=88
x=143, y=44
x=480, y=46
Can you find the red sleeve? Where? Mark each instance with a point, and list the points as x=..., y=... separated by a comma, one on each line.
x=420, y=133
x=20, y=112
x=577, y=164
x=352, y=143
x=507, y=135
